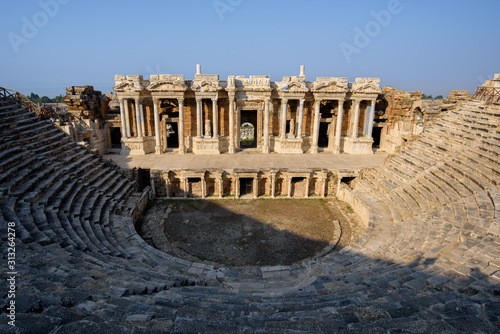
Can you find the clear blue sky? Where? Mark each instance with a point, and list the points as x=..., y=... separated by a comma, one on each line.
x=434, y=46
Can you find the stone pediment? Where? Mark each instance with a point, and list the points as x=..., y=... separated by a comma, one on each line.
x=331, y=85
x=129, y=83
x=206, y=86
x=293, y=85
x=168, y=86
x=366, y=85
x=127, y=87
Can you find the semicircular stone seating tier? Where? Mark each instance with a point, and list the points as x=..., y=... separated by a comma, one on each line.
x=428, y=262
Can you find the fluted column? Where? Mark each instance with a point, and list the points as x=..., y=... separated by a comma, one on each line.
x=301, y=117
x=338, y=130
x=232, y=149
x=283, y=118
x=238, y=125
x=127, y=119
x=158, y=149
x=143, y=123
x=215, y=119
x=355, y=122
x=138, y=118
x=182, y=147
x=314, y=145
x=123, y=119
x=370, y=120
x=199, y=117
x=265, y=148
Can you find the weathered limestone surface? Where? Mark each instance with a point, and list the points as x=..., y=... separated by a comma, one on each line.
x=86, y=122
x=428, y=262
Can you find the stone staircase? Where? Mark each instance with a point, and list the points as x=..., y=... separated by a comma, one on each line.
x=428, y=262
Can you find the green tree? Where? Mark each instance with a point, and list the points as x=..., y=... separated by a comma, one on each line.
x=439, y=97
x=45, y=99
x=59, y=99
x=34, y=97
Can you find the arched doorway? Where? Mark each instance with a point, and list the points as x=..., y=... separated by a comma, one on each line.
x=248, y=129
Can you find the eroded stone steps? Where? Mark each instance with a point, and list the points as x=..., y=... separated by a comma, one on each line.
x=459, y=134
x=5, y=126
x=475, y=175
x=14, y=160
x=40, y=133
x=15, y=117
x=23, y=213
x=10, y=215
x=56, y=226
x=25, y=172
x=46, y=144
x=425, y=150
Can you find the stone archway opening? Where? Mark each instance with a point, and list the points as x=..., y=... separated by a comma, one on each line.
x=248, y=129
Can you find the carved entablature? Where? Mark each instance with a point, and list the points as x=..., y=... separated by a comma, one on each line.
x=130, y=83
x=167, y=83
x=253, y=83
x=330, y=85
x=206, y=86
x=366, y=86
x=293, y=85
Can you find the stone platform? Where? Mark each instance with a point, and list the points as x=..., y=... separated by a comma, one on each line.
x=257, y=161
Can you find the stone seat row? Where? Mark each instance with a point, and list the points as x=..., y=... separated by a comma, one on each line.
x=399, y=273
x=432, y=206
x=41, y=174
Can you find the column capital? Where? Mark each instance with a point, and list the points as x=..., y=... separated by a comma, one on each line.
x=284, y=100
x=198, y=99
x=302, y=101
x=180, y=100
x=215, y=99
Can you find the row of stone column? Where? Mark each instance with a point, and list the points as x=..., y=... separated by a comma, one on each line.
x=353, y=133
x=369, y=117
x=125, y=117
x=255, y=186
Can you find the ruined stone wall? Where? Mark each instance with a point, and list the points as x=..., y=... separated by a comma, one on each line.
x=395, y=111
x=87, y=109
